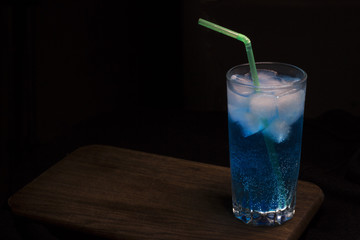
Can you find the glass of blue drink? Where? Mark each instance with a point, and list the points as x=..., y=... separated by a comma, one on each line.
x=265, y=130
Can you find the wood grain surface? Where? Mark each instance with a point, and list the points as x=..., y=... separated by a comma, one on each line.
x=124, y=194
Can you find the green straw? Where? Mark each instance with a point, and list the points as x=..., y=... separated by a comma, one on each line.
x=269, y=144
x=240, y=37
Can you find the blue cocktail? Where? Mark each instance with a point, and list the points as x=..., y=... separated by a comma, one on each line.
x=265, y=131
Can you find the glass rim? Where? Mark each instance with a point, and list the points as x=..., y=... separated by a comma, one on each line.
x=302, y=79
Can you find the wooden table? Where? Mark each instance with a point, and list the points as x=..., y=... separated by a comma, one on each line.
x=124, y=194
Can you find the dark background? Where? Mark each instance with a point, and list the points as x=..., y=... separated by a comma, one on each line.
x=144, y=75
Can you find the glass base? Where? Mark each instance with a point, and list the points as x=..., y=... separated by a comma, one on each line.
x=273, y=218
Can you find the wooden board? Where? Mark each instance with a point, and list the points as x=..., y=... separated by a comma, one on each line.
x=125, y=194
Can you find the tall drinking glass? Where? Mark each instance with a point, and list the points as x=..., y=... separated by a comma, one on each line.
x=265, y=130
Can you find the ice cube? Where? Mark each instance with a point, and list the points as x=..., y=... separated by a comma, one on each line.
x=263, y=105
x=237, y=100
x=267, y=77
x=291, y=106
x=277, y=130
x=236, y=113
x=287, y=79
x=240, y=78
x=250, y=124
x=240, y=85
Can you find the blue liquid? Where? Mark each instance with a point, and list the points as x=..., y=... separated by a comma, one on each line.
x=264, y=187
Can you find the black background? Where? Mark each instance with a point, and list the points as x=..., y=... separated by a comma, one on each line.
x=144, y=75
